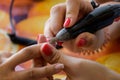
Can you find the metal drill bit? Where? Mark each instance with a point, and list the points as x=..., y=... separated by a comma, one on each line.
x=53, y=41
x=56, y=43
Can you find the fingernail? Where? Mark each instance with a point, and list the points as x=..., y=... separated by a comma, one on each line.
x=81, y=42
x=59, y=43
x=38, y=38
x=59, y=67
x=41, y=38
x=48, y=39
x=47, y=50
x=67, y=22
x=117, y=19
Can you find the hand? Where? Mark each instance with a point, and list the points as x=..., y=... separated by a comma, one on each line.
x=76, y=68
x=72, y=11
x=7, y=68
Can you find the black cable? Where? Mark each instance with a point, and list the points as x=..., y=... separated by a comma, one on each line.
x=14, y=38
x=11, y=17
x=94, y=4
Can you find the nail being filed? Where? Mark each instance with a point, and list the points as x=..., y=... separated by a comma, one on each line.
x=53, y=41
x=56, y=43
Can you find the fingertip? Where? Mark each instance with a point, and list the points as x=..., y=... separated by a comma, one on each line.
x=50, y=53
x=70, y=21
x=46, y=49
x=82, y=42
x=53, y=69
x=41, y=38
x=86, y=40
x=58, y=67
x=67, y=22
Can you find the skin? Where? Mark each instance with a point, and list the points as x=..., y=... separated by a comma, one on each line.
x=38, y=72
x=79, y=69
x=60, y=12
x=76, y=68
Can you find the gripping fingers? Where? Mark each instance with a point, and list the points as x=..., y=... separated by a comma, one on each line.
x=55, y=22
x=23, y=55
x=72, y=12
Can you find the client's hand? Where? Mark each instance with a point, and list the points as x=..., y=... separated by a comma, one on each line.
x=39, y=72
x=76, y=68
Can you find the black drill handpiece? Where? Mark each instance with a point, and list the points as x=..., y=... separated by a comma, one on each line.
x=97, y=19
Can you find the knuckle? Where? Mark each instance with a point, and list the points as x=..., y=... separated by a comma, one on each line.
x=57, y=8
x=46, y=70
x=30, y=51
x=55, y=58
x=31, y=73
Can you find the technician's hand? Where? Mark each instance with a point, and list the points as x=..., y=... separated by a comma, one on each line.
x=66, y=15
x=7, y=68
x=76, y=68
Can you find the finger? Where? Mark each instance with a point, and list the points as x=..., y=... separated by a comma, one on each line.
x=114, y=32
x=52, y=55
x=49, y=53
x=55, y=22
x=23, y=55
x=4, y=56
x=90, y=41
x=41, y=38
x=72, y=11
x=39, y=62
x=76, y=10
x=36, y=73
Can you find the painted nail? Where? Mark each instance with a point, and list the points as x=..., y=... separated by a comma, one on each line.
x=67, y=22
x=59, y=43
x=59, y=67
x=117, y=19
x=38, y=38
x=41, y=38
x=47, y=50
x=81, y=42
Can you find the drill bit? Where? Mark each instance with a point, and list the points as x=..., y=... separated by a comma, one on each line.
x=55, y=42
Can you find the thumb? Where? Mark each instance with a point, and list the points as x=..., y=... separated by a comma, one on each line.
x=50, y=54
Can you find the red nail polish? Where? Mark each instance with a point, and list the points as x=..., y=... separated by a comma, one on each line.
x=67, y=22
x=47, y=50
x=81, y=42
x=59, y=43
x=117, y=19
